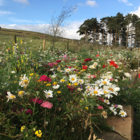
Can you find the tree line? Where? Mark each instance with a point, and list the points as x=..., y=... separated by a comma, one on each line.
x=116, y=30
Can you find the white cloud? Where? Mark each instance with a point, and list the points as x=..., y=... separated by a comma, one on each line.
x=22, y=1
x=4, y=13
x=91, y=3
x=125, y=1
x=137, y=12
x=70, y=31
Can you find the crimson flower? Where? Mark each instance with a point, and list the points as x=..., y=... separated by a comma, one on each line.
x=104, y=66
x=88, y=59
x=29, y=111
x=58, y=61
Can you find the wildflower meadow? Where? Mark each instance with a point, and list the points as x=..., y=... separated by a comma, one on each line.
x=58, y=94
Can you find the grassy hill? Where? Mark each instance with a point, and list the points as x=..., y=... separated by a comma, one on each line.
x=27, y=34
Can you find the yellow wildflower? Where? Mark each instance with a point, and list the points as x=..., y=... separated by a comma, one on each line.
x=31, y=74
x=58, y=92
x=48, y=84
x=55, y=83
x=38, y=133
x=20, y=93
x=22, y=128
x=75, y=84
x=86, y=108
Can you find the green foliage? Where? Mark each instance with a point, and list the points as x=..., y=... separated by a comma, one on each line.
x=35, y=37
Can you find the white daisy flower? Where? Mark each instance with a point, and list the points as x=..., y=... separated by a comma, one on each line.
x=127, y=75
x=10, y=96
x=53, y=76
x=123, y=113
x=24, y=81
x=80, y=81
x=67, y=70
x=92, y=66
x=48, y=93
x=113, y=89
x=104, y=82
x=96, y=91
x=79, y=89
x=73, y=78
x=120, y=107
x=107, y=102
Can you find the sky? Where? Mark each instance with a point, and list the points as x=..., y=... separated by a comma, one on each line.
x=35, y=15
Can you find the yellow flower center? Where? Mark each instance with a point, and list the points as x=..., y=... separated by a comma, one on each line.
x=26, y=81
x=72, y=79
x=105, y=92
x=95, y=92
x=122, y=113
x=104, y=82
x=49, y=93
x=12, y=96
x=111, y=89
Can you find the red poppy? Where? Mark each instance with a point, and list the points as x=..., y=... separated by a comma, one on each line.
x=97, y=55
x=139, y=75
x=112, y=63
x=84, y=67
x=115, y=65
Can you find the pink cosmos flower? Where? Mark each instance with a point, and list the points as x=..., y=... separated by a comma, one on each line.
x=100, y=107
x=65, y=56
x=47, y=104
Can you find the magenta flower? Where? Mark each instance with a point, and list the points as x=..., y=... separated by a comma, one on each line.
x=47, y=104
x=45, y=78
x=40, y=101
x=34, y=100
